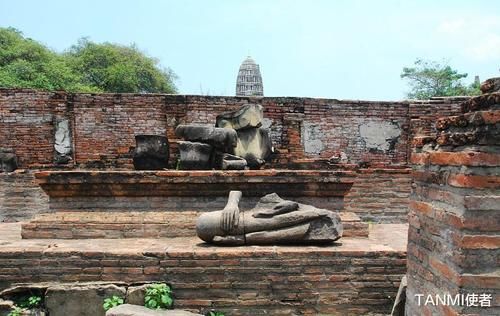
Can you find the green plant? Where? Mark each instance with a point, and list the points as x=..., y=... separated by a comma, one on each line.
x=29, y=302
x=34, y=301
x=158, y=295
x=17, y=311
x=111, y=302
x=215, y=313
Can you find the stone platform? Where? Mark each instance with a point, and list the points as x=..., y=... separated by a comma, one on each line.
x=170, y=183
x=355, y=276
x=77, y=225
x=170, y=190
x=143, y=204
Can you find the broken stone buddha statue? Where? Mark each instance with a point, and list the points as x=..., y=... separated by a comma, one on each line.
x=272, y=221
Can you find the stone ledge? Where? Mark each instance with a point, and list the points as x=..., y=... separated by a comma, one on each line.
x=287, y=183
x=383, y=238
x=355, y=276
x=81, y=225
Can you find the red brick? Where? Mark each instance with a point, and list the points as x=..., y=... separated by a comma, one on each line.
x=483, y=117
x=480, y=242
x=422, y=208
x=474, y=181
x=464, y=158
x=419, y=158
x=442, y=269
x=484, y=281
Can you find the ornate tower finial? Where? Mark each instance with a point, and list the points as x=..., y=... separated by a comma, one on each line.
x=249, y=81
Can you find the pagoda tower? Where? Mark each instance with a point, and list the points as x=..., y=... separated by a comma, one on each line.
x=249, y=81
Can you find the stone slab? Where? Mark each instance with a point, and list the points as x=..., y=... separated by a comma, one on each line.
x=82, y=300
x=135, y=310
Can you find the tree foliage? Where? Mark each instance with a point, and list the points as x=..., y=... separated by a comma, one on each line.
x=431, y=79
x=85, y=67
x=26, y=63
x=118, y=68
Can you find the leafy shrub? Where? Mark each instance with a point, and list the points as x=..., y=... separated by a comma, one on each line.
x=215, y=313
x=158, y=295
x=17, y=311
x=30, y=302
x=34, y=301
x=111, y=302
x=25, y=303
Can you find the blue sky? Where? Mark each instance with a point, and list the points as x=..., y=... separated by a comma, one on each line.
x=334, y=49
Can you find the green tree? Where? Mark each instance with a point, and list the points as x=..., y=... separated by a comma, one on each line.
x=25, y=63
x=85, y=67
x=431, y=79
x=117, y=68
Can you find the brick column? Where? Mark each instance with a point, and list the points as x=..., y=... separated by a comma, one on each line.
x=293, y=140
x=454, y=218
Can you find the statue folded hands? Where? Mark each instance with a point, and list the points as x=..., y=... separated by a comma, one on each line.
x=272, y=221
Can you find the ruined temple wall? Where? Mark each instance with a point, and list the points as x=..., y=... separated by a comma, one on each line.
x=21, y=197
x=423, y=114
x=454, y=236
x=359, y=277
x=304, y=130
x=26, y=125
x=380, y=195
x=103, y=125
x=318, y=128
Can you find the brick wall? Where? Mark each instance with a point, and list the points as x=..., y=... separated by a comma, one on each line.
x=303, y=130
x=380, y=195
x=21, y=197
x=265, y=280
x=423, y=114
x=26, y=125
x=104, y=125
x=454, y=234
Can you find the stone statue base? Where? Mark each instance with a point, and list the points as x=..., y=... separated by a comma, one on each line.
x=272, y=221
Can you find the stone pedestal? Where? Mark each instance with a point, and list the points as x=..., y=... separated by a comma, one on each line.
x=123, y=204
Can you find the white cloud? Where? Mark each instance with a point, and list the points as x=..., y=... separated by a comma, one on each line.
x=487, y=48
x=477, y=37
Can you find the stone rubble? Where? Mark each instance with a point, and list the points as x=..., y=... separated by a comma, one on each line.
x=236, y=141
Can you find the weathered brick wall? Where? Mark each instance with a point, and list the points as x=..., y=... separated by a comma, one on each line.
x=21, y=197
x=26, y=125
x=103, y=125
x=303, y=130
x=454, y=233
x=380, y=195
x=319, y=128
x=360, y=278
x=423, y=114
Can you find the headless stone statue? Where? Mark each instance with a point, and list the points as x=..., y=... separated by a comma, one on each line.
x=272, y=221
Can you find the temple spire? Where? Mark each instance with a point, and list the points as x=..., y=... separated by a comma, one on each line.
x=249, y=80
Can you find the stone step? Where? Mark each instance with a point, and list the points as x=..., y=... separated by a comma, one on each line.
x=349, y=276
x=168, y=224
x=173, y=183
